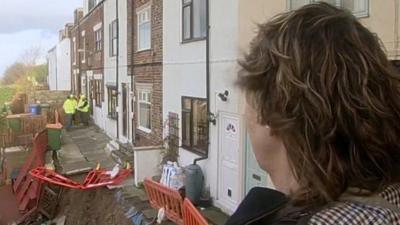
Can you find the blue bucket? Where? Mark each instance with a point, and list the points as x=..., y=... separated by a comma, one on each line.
x=34, y=109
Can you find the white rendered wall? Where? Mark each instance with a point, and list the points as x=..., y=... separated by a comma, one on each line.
x=184, y=73
x=64, y=65
x=52, y=69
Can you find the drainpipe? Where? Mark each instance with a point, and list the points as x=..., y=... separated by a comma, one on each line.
x=210, y=115
x=132, y=75
x=117, y=69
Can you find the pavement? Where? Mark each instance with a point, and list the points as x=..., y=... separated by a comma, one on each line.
x=82, y=149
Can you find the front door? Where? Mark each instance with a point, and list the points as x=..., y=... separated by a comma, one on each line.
x=230, y=182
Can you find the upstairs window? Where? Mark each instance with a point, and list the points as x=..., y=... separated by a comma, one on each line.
x=113, y=38
x=193, y=19
x=195, y=125
x=99, y=39
x=92, y=4
x=83, y=47
x=359, y=8
x=144, y=29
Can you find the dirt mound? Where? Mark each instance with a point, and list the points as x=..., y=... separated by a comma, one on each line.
x=91, y=207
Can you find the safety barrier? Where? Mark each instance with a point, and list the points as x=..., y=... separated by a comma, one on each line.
x=26, y=189
x=95, y=178
x=161, y=196
x=191, y=216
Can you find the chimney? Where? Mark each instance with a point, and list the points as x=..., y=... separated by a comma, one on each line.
x=78, y=15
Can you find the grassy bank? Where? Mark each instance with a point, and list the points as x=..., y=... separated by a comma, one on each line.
x=6, y=94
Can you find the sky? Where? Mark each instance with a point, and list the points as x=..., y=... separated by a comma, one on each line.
x=26, y=24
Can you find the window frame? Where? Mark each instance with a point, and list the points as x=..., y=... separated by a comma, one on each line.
x=192, y=148
x=339, y=3
x=98, y=90
x=98, y=42
x=147, y=89
x=113, y=39
x=143, y=10
x=192, y=38
x=83, y=34
x=112, y=112
x=74, y=51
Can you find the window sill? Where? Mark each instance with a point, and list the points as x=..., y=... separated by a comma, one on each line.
x=143, y=50
x=194, y=151
x=144, y=129
x=186, y=41
x=112, y=117
x=98, y=106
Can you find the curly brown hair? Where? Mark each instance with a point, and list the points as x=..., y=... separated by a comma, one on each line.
x=322, y=82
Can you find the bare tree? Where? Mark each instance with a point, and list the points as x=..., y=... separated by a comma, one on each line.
x=31, y=56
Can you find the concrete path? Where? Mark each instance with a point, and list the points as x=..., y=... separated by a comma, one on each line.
x=82, y=149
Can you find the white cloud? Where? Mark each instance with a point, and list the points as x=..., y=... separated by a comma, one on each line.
x=31, y=23
x=36, y=14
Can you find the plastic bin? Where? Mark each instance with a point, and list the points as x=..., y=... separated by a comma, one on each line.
x=54, y=136
x=34, y=109
x=15, y=124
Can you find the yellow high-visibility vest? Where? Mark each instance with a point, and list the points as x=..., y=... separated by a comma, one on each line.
x=69, y=106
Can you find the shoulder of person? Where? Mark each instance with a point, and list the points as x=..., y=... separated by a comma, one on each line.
x=266, y=206
x=379, y=209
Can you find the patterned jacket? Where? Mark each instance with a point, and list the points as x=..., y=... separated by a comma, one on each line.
x=352, y=213
x=262, y=206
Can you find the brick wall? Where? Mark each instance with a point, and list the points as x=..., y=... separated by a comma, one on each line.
x=147, y=68
x=94, y=60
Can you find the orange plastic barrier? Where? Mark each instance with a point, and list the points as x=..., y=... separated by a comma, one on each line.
x=191, y=216
x=95, y=178
x=161, y=196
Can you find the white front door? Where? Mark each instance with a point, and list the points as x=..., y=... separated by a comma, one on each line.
x=230, y=182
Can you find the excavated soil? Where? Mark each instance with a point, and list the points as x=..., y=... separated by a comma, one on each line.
x=93, y=207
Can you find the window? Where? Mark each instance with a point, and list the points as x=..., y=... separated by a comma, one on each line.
x=92, y=4
x=97, y=92
x=144, y=29
x=99, y=39
x=195, y=125
x=112, y=102
x=144, y=109
x=193, y=19
x=74, y=50
x=360, y=8
x=113, y=38
x=83, y=47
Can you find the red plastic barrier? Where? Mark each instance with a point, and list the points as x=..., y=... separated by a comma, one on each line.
x=96, y=178
x=191, y=216
x=161, y=196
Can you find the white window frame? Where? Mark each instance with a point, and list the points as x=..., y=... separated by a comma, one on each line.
x=143, y=17
x=83, y=47
x=113, y=39
x=144, y=93
x=359, y=14
x=74, y=49
x=98, y=36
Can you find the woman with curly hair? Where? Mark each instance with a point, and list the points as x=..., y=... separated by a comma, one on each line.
x=323, y=114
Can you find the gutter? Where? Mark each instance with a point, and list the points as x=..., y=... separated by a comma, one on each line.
x=210, y=115
x=117, y=69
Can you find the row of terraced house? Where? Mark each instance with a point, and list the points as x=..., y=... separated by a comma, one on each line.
x=145, y=62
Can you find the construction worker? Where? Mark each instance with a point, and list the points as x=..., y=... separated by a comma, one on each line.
x=69, y=109
x=83, y=110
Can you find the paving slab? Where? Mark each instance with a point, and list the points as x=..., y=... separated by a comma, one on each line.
x=214, y=215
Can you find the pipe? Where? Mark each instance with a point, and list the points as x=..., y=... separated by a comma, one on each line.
x=117, y=68
x=132, y=75
x=209, y=114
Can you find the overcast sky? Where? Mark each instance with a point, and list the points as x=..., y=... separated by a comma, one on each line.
x=31, y=23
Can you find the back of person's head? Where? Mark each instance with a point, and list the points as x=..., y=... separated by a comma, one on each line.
x=321, y=81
